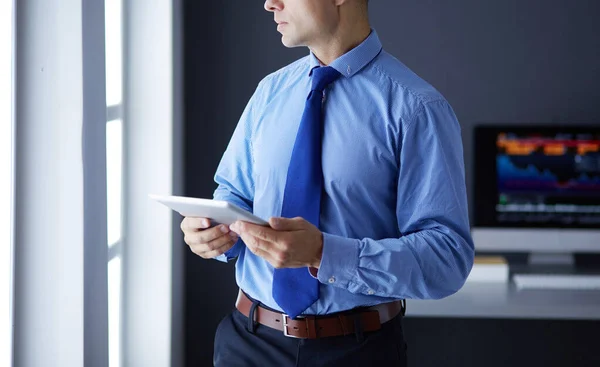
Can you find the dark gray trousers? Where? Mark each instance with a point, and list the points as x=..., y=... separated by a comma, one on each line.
x=235, y=345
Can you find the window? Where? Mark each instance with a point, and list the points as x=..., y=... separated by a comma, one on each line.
x=114, y=168
x=6, y=180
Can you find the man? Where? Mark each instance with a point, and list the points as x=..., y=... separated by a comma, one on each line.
x=357, y=163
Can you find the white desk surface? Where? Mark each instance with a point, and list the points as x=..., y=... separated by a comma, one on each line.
x=503, y=300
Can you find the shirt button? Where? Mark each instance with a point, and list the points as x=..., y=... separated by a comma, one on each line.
x=331, y=280
x=349, y=70
x=370, y=292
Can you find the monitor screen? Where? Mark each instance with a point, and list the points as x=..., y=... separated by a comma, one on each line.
x=537, y=177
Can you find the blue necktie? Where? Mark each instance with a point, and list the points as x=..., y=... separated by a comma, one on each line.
x=295, y=290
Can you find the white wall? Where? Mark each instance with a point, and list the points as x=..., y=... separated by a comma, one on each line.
x=59, y=304
x=6, y=180
x=49, y=185
x=151, y=149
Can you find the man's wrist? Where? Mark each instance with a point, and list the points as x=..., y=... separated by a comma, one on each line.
x=316, y=263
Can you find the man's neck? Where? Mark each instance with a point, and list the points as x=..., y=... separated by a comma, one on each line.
x=344, y=39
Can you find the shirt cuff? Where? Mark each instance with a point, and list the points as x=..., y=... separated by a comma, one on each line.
x=222, y=258
x=339, y=261
x=232, y=253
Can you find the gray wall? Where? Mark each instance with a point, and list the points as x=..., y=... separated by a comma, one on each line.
x=517, y=61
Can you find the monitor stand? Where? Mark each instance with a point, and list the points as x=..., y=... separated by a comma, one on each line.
x=561, y=259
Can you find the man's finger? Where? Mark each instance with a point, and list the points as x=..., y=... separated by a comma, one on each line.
x=222, y=238
x=208, y=235
x=269, y=258
x=254, y=242
x=217, y=251
x=255, y=230
x=221, y=243
x=287, y=224
x=194, y=223
x=263, y=249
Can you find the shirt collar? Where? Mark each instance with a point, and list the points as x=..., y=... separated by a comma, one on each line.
x=354, y=60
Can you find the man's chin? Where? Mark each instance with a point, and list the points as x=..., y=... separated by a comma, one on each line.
x=290, y=43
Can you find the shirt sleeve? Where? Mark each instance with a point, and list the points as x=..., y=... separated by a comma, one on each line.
x=234, y=175
x=434, y=254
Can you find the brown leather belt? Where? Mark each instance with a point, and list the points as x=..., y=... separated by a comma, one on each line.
x=321, y=326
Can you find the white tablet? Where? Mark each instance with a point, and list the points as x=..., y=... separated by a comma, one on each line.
x=218, y=211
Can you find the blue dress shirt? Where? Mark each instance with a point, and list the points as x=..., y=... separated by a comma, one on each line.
x=394, y=208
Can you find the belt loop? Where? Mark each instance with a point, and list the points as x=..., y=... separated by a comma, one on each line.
x=358, y=327
x=251, y=319
x=403, y=303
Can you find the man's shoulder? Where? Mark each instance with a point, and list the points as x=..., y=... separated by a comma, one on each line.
x=286, y=75
x=402, y=77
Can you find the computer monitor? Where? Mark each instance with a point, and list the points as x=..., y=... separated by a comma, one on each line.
x=537, y=190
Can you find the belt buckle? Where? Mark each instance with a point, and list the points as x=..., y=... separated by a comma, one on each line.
x=285, y=327
x=310, y=325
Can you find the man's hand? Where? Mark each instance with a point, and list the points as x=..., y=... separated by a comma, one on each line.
x=289, y=243
x=207, y=243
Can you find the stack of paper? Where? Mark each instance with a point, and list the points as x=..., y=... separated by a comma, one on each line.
x=489, y=269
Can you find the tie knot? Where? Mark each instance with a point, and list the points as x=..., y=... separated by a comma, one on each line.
x=322, y=77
